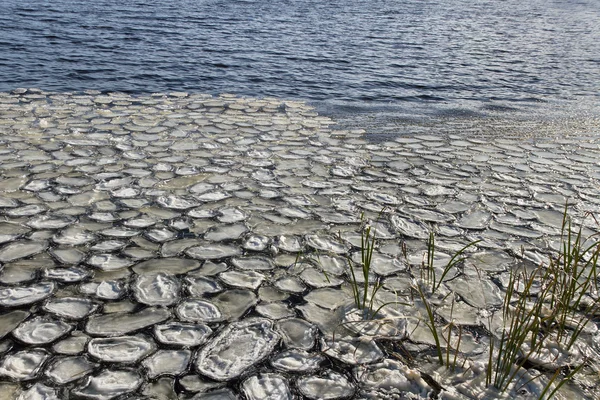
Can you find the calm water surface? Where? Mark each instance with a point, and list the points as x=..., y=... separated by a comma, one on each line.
x=446, y=57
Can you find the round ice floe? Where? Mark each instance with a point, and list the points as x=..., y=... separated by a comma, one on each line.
x=41, y=330
x=170, y=265
x=297, y=361
x=291, y=244
x=121, y=349
x=242, y=279
x=196, y=310
x=70, y=307
x=239, y=346
x=318, y=279
x=10, y=320
x=290, y=284
x=167, y=362
x=156, y=290
x=352, y=351
x=109, y=384
x=72, y=345
x=327, y=244
x=119, y=232
x=109, y=262
x=213, y=196
x=211, y=251
x=25, y=211
x=409, y=228
x=231, y=215
x=67, y=255
x=297, y=333
x=226, y=232
x=49, y=222
x=200, y=286
x=106, y=290
x=256, y=242
x=267, y=387
x=160, y=235
x=253, y=263
x=181, y=334
x=122, y=323
x=23, y=365
x=68, y=369
x=73, y=236
x=389, y=375
x=235, y=303
x=329, y=385
x=176, y=202
x=39, y=391
x=275, y=310
x=21, y=249
x=19, y=296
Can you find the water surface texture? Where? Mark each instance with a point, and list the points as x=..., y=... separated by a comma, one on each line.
x=450, y=56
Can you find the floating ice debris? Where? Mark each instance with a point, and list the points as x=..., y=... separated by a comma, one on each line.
x=70, y=307
x=68, y=369
x=267, y=386
x=297, y=361
x=325, y=386
x=23, y=365
x=21, y=249
x=19, y=296
x=239, y=346
x=181, y=334
x=123, y=323
x=156, y=290
x=196, y=310
x=297, y=333
x=211, y=251
x=167, y=362
x=109, y=384
x=41, y=330
x=352, y=351
x=74, y=344
x=121, y=349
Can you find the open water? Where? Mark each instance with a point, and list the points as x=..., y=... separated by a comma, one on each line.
x=450, y=57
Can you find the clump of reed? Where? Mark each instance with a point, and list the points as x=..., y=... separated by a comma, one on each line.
x=559, y=311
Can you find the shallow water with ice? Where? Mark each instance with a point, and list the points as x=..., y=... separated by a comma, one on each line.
x=187, y=246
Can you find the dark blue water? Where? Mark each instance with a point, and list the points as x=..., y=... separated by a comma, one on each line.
x=470, y=56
